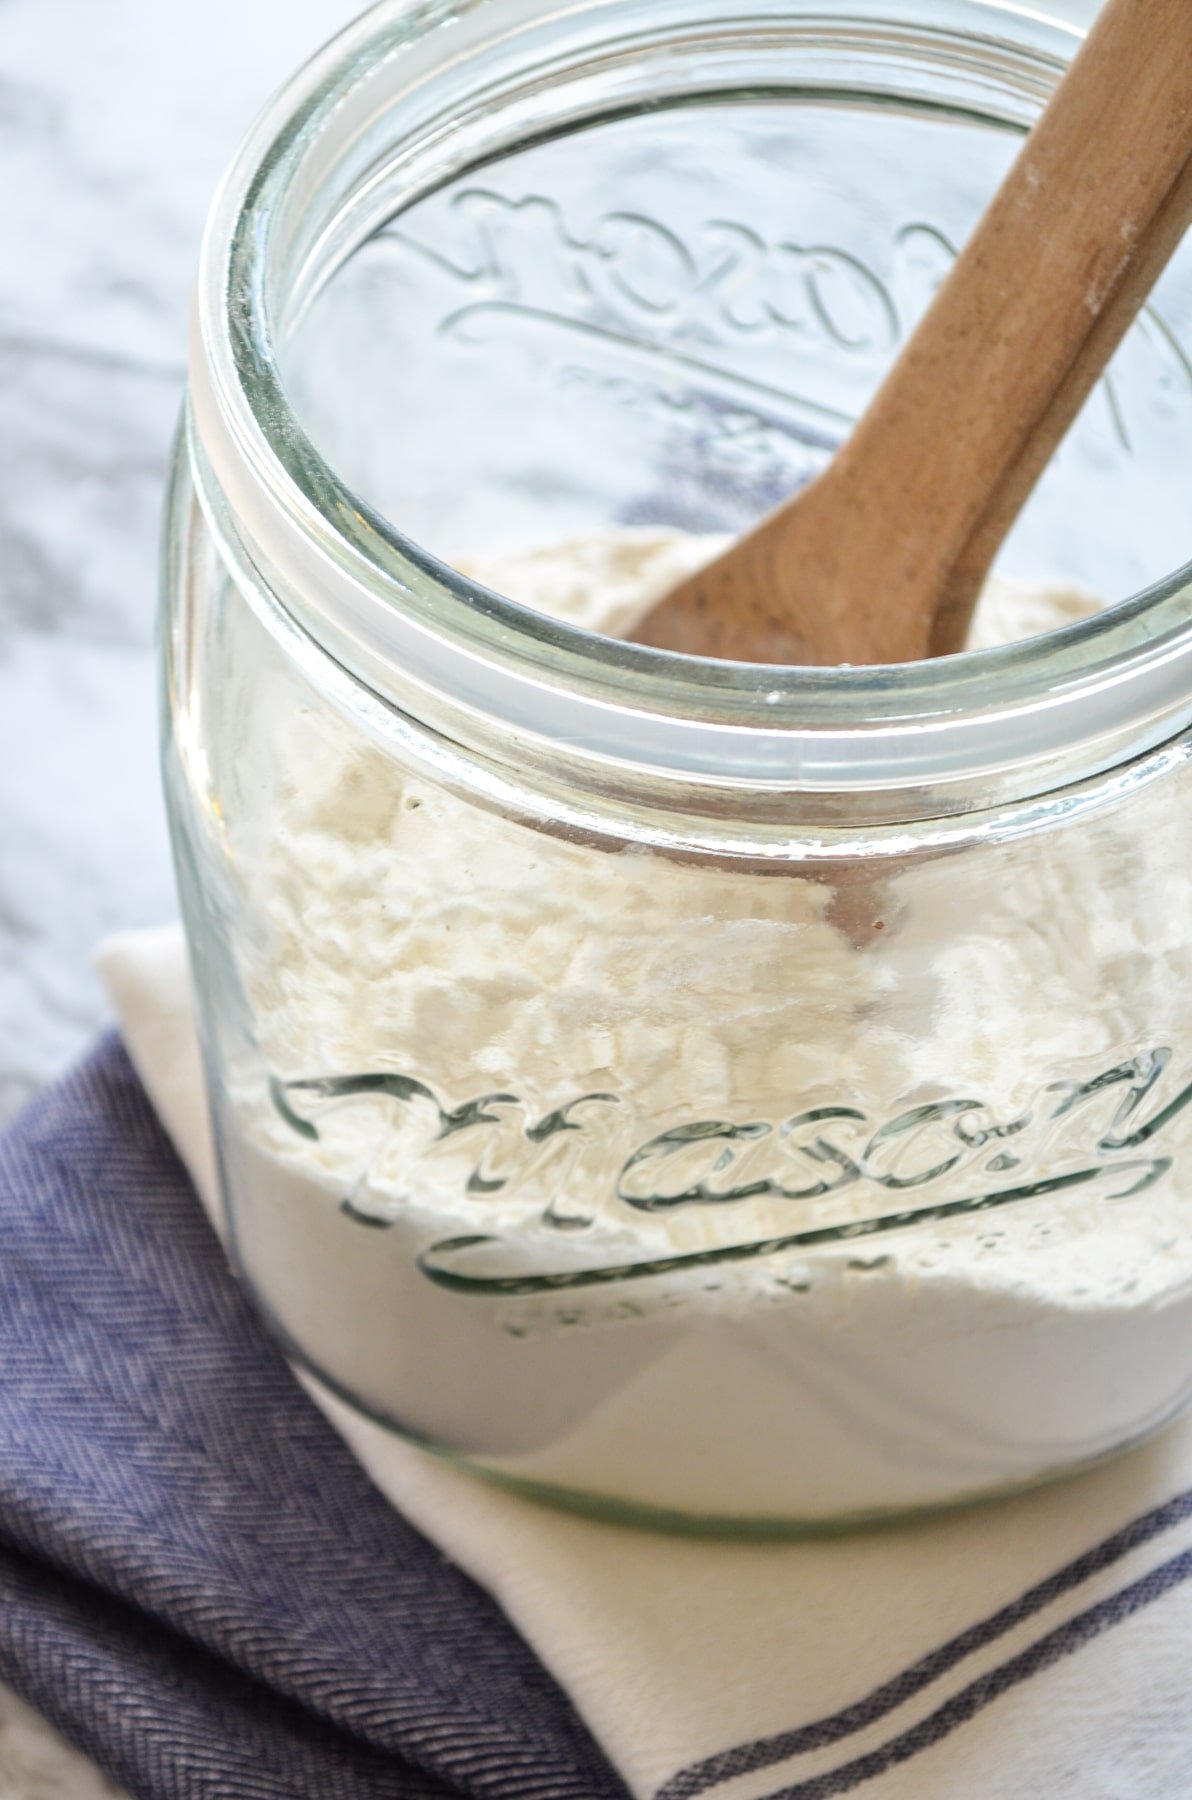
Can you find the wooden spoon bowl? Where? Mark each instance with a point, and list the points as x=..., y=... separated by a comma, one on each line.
x=882, y=558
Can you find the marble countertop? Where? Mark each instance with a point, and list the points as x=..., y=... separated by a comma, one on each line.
x=115, y=122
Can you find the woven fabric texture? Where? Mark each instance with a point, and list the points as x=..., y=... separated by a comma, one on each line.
x=198, y=1583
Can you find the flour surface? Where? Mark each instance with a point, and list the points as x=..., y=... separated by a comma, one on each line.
x=621, y=1060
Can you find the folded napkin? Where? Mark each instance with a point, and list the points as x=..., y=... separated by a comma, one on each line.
x=198, y=1583
x=271, y=1612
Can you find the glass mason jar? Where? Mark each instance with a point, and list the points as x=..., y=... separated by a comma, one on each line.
x=719, y=1095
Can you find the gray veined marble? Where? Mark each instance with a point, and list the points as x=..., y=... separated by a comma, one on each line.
x=115, y=120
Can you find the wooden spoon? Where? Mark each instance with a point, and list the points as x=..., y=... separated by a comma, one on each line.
x=882, y=558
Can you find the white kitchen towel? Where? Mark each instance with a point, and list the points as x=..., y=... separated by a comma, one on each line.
x=1033, y=1648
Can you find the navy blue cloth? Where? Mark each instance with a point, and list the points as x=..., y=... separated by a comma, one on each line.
x=198, y=1583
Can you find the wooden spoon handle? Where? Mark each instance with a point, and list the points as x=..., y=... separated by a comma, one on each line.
x=959, y=597
x=856, y=568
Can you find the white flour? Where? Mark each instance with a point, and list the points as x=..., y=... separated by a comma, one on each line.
x=561, y=1010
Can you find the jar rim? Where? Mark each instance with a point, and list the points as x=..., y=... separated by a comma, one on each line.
x=1078, y=699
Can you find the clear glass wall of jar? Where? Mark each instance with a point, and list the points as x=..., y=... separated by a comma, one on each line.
x=726, y=1096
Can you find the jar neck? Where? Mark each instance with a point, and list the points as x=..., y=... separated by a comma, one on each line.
x=409, y=97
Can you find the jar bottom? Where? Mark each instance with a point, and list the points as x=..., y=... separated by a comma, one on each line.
x=609, y=1509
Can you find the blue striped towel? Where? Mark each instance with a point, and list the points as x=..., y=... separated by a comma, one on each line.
x=1032, y=1650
